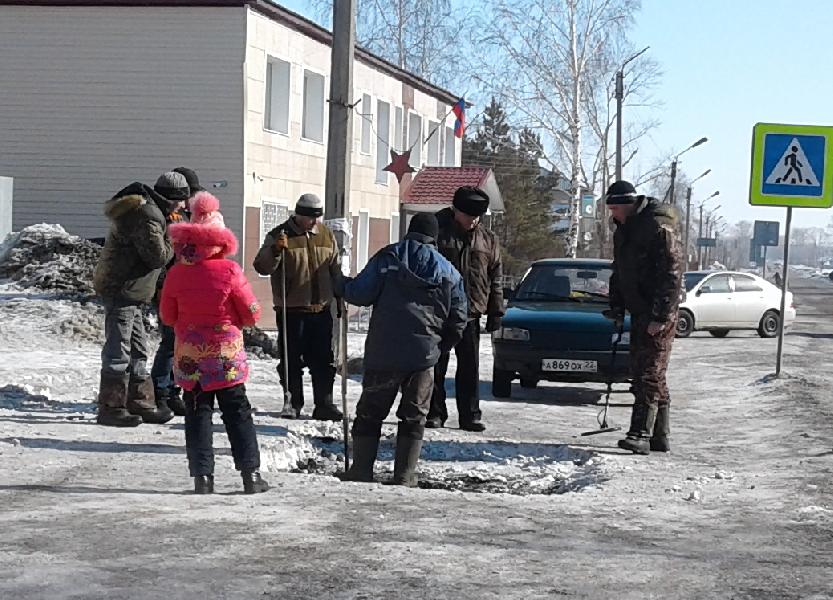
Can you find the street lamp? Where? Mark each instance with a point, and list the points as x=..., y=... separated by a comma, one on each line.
x=700, y=230
x=672, y=192
x=620, y=96
x=688, y=214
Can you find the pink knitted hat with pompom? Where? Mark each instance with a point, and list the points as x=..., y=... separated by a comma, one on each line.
x=205, y=210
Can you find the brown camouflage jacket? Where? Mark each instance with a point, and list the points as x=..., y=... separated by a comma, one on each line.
x=647, y=262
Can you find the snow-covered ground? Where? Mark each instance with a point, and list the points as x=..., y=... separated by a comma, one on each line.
x=743, y=507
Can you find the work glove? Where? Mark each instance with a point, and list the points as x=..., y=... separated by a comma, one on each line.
x=616, y=315
x=281, y=243
x=492, y=323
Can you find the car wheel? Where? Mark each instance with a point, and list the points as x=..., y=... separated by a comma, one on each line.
x=719, y=333
x=685, y=324
x=529, y=384
x=501, y=383
x=768, y=327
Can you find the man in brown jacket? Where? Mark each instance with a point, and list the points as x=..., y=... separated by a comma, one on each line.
x=308, y=251
x=474, y=251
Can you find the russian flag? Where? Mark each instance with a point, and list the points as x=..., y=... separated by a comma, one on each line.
x=459, y=111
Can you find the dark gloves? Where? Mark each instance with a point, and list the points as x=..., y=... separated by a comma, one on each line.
x=492, y=323
x=616, y=315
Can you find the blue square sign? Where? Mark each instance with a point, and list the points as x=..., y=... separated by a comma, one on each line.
x=793, y=165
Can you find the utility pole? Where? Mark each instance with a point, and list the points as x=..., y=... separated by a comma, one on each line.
x=700, y=237
x=687, y=217
x=672, y=193
x=620, y=96
x=337, y=178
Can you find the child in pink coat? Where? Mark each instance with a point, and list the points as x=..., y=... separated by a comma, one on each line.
x=207, y=300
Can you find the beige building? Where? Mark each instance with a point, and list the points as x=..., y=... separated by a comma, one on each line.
x=96, y=94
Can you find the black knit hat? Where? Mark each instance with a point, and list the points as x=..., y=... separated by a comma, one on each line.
x=621, y=192
x=192, y=179
x=425, y=224
x=471, y=200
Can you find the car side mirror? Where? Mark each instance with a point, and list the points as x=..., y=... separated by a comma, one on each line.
x=508, y=293
x=704, y=290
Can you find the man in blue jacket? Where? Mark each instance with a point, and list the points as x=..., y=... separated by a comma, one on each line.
x=419, y=311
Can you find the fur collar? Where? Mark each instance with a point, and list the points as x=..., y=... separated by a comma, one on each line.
x=195, y=243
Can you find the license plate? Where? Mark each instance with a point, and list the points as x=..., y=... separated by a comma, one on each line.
x=569, y=366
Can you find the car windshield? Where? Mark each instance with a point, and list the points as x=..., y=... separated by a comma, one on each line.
x=692, y=279
x=559, y=283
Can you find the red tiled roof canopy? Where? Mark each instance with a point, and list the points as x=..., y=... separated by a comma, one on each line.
x=436, y=185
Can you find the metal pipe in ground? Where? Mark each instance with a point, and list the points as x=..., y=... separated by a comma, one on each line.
x=785, y=281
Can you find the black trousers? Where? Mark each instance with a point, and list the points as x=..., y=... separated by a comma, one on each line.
x=240, y=428
x=379, y=390
x=466, y=380
x=309, y=341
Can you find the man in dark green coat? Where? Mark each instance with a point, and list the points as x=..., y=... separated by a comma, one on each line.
x=135, y=251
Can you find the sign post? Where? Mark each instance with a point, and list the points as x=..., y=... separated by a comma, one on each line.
x=792, y=166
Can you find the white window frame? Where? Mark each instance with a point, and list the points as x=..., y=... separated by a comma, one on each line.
x=366, y=140
x=382, y=143
x=434, y=142
x=363, y=241
x=450, y=137
x=398, y=128
x=323, y=106
x=264, y=200
x=415, y=146
x=394, y=227
x=270, y=59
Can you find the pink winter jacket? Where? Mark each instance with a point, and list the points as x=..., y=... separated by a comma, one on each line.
x=207, y=299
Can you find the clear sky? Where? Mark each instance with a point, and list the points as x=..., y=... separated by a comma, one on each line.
x=728, y=64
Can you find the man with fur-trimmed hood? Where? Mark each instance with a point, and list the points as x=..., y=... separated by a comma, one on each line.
x=135, y=251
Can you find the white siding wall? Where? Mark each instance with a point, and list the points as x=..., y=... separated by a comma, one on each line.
x=285, y=166
x=94, y=98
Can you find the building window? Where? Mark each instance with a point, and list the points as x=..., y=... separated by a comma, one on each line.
x=383, y=141
x=434, y=133
x=364, y=239
x=394, y=227
x=397, y=129
x=415, y=140
x=450, y=148
x=272, y=214
x=367, y=122
x=313, y=123
x=276, y=115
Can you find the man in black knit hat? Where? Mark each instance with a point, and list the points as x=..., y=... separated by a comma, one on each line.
x=419, y=312
x=474, y=251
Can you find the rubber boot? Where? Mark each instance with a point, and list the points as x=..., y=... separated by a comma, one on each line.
x=408, y=447
x=364, y=455
x=204, y=484
x=142, y=401
x=662, y=429
x=112, y=400
x=638, y=439
x=253, y=483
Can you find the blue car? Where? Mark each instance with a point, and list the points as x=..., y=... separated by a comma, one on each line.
x=554, y=329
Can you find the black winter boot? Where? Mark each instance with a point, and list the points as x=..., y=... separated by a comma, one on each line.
x=327, y=412
x=204, y=484
x=253, y=483
x=662, y=429
x=117, y=417
x=142, y=401
x=638, y=439
x=175, y=401
x=408, y=447
x=364, y=455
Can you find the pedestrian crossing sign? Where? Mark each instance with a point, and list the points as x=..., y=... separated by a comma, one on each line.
x=792, y=165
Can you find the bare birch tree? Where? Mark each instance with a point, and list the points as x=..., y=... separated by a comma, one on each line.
x=548, y=60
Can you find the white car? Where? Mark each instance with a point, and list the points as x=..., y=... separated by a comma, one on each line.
x=720, y=301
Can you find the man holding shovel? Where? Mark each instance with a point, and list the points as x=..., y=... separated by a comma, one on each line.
x=301, y=256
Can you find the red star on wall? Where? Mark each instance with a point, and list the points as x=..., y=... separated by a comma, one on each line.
x=400, y=164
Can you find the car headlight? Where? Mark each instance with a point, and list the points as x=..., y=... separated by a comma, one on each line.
x=514, y=334
x=626, y=338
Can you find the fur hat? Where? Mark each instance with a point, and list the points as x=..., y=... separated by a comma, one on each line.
x=205, y=210
x=471, y=200
x=309, y=205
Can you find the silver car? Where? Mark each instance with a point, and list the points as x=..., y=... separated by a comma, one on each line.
x=720, y=301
